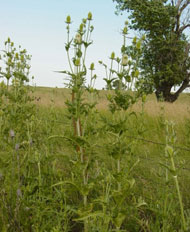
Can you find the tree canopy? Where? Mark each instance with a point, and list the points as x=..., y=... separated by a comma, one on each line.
x=165, y=63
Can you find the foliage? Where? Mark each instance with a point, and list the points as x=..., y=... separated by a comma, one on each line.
x=165, y=63
x=17, y=119
x=16, y=108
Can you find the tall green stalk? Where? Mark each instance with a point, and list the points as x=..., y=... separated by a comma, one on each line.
x=170, y=139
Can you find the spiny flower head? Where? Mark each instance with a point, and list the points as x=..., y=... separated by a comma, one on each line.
x=84, y=21
x=92, y=66
x=125, y=30
x=78, y=38
x=112, y=55
x=81, y=27
x=68, y=19
x=77, y=62
x=89, y=16
x=124, y=60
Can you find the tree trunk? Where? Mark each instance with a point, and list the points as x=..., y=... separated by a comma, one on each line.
x=166, y=96
x=163, y=93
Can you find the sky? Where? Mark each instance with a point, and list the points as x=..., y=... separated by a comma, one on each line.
x=39, y=27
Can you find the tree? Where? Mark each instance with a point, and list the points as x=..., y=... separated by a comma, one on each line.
x=165, y=62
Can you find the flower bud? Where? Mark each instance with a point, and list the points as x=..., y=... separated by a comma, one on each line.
x=138, y=46
x=130, y=63
x=68, y=19
x=118, y=60
x=84, y=21
x=81, y=27
x=124, y=60
x=78, y=38
x=134, y=40
x=136, y=74
x=112, y=55
x=125, y=30
x=92, y=66
x=22, y=58
x=77, y=62
x=89, y=16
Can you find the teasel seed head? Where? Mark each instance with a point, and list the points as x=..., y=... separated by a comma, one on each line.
x=78, y=38
x=68, y=19
x=124, y=60
x=89, y=16
x=92, y=66
x=112, y=55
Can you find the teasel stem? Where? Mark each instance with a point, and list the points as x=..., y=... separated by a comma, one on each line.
x=170, y=151
x=111, y=69
x=87, y=38
x=179, y=195
x=68, y=56
x=118, y=171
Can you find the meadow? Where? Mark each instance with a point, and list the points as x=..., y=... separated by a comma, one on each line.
x=42, y=186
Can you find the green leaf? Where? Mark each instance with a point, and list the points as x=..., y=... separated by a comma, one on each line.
x=119, y=220
x=90, y=215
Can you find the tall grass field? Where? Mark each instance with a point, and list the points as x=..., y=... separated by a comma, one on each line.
x=41, y=178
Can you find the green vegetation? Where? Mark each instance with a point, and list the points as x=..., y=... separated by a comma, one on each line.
x=51, y=160
x=70, y=164
x=165, y=62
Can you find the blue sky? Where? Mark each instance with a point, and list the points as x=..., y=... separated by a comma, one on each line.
x=39, y=26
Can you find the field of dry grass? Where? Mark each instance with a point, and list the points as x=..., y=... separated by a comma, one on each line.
x=177, y=111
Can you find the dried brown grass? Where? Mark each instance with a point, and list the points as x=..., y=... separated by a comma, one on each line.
x=179, y=110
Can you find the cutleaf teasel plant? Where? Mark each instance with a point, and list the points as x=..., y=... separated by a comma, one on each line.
x=122, y=80
x=16, y=98
x=170, y=154
x=17, y=114
x=78, y=70
x=80, y=110
x=123, y=93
